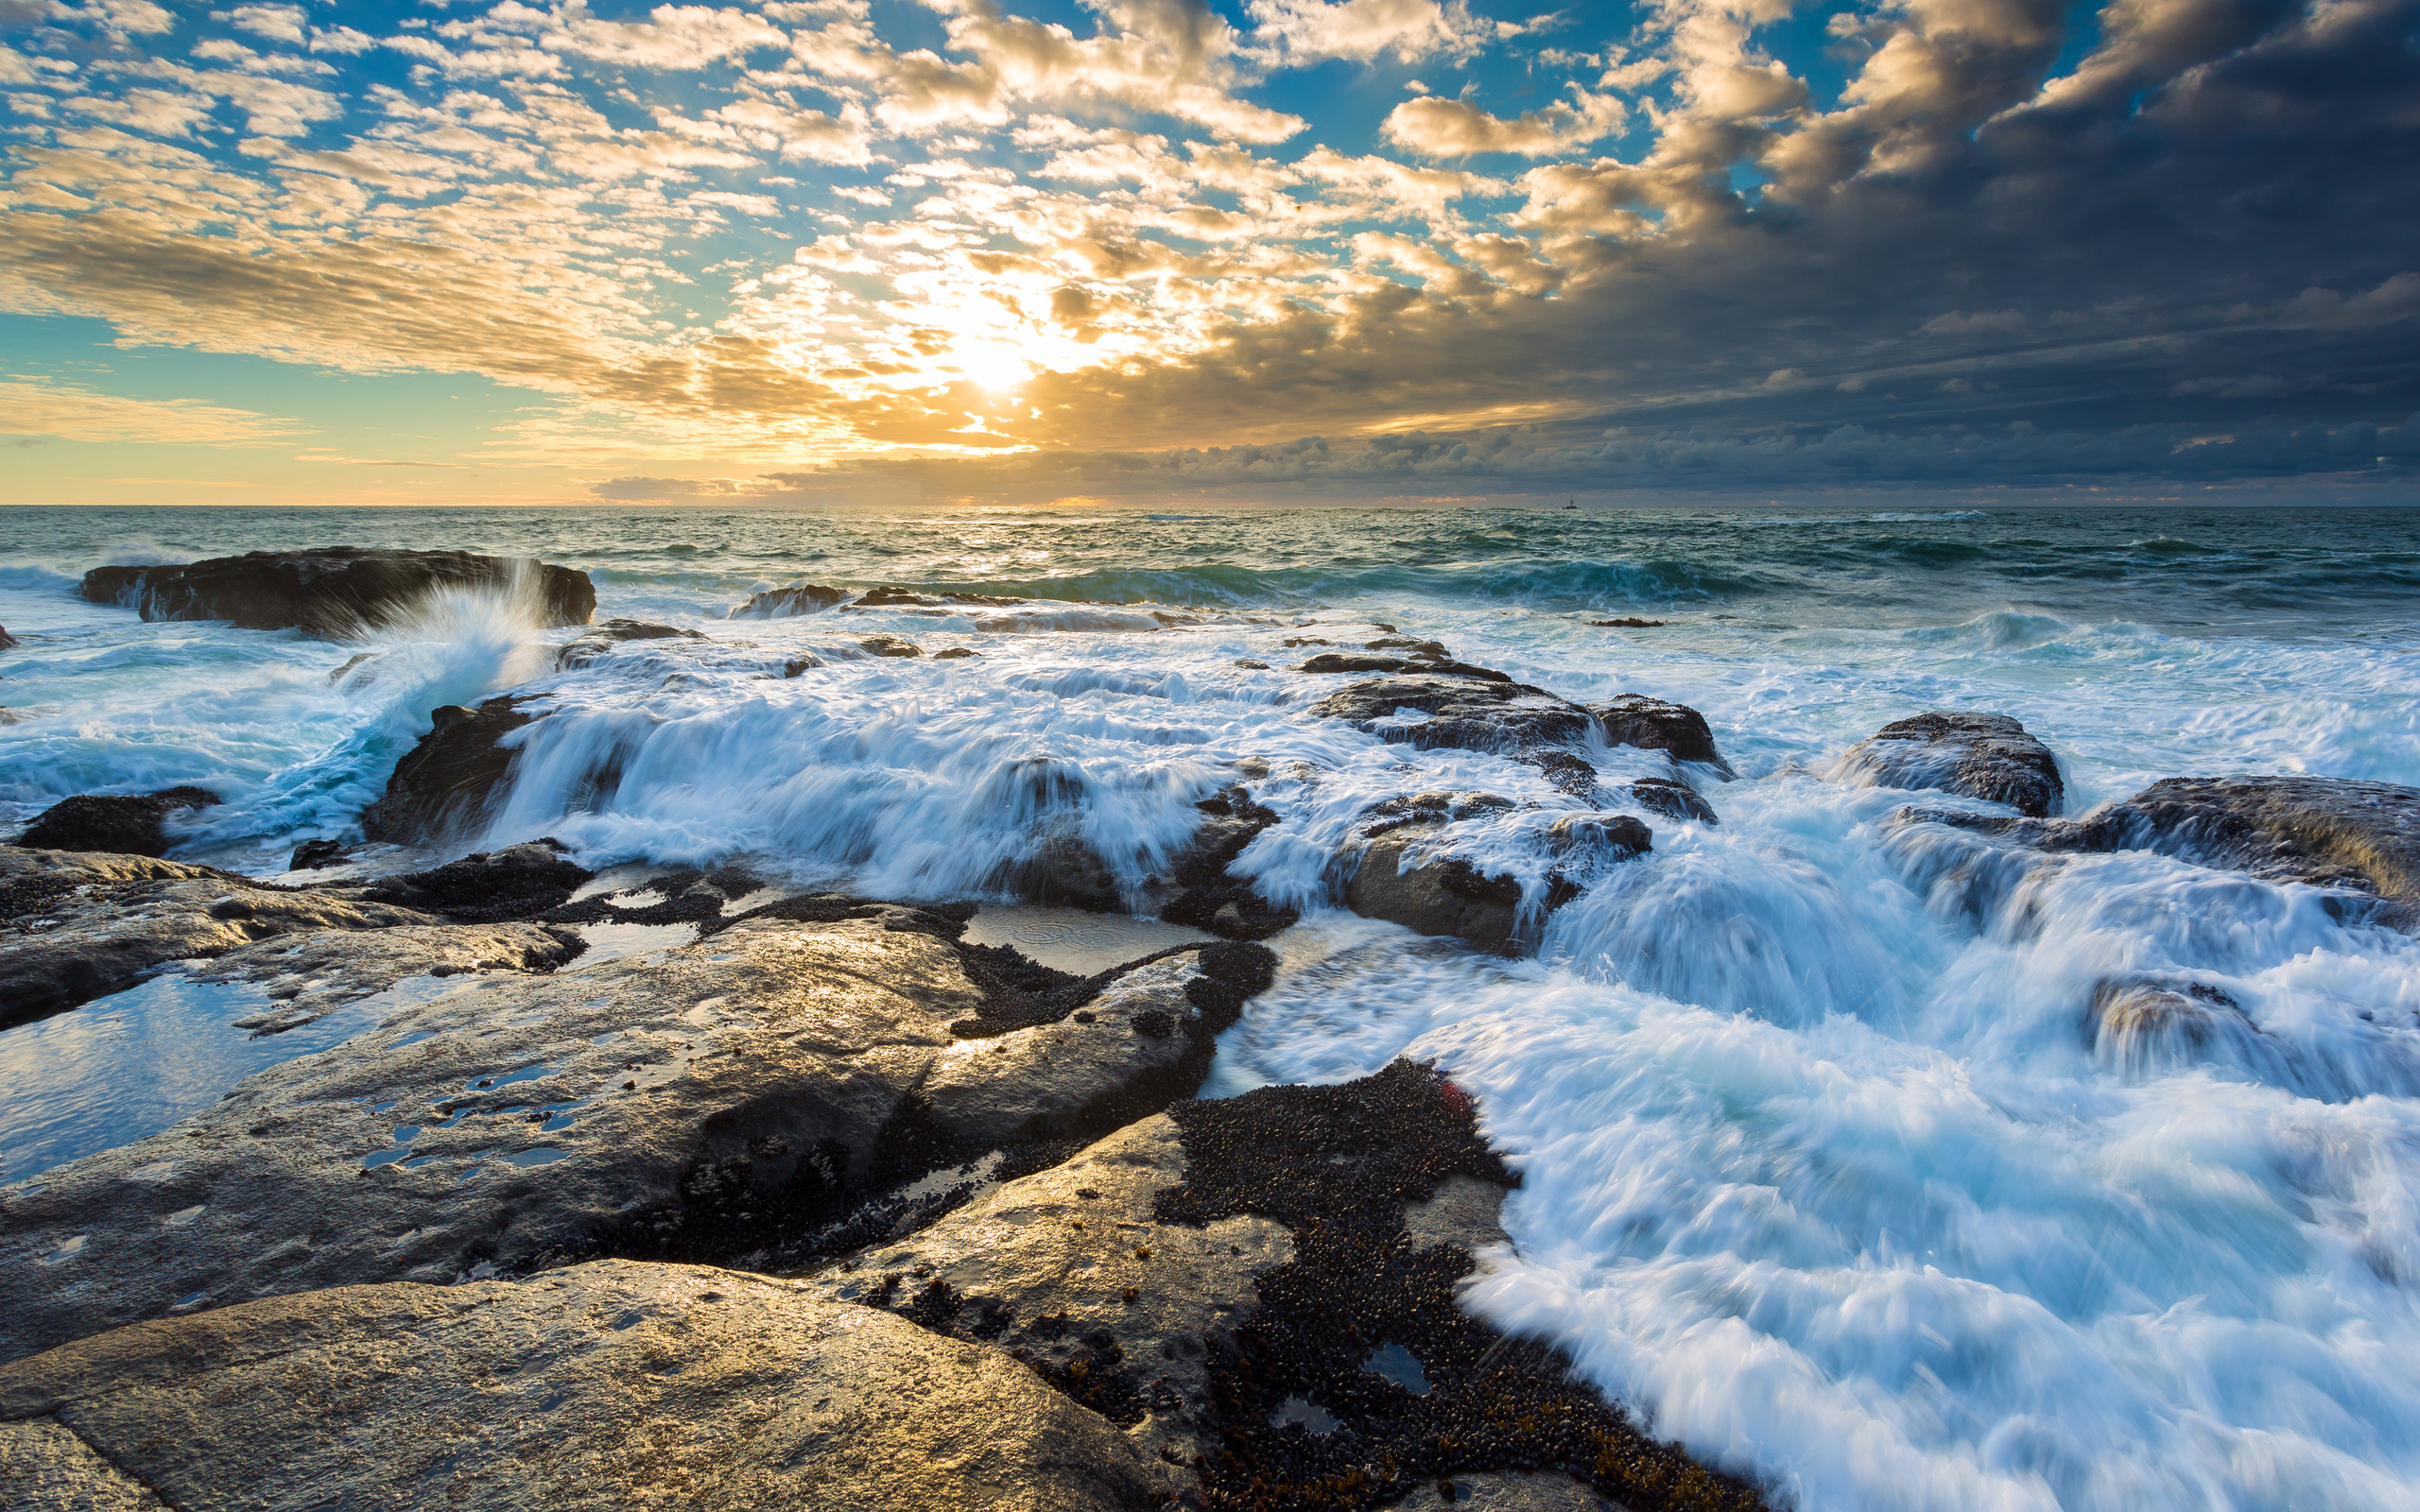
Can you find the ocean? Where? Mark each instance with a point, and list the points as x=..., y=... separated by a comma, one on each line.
x=1822, y=1172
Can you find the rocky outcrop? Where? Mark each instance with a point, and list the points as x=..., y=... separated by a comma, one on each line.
x=889, y=645
x=445, y=783
x=1208, y=896
x=1214, y=1280
x=488, y=887
x=1673, y=800
x=1610, y=837
x=793, y=598
x=2326, y=831
x=738, y=1097
x=600, y=1386
x=74, y=926
x=1984, y=756
x=131, y=824
x=1447, y=896
x=1653, y=723
x=313, y=854
x=333, y=591
x=1465, y=713
x=8, y=641
x=911, y=598
x=603, y=638
x=1328, y=661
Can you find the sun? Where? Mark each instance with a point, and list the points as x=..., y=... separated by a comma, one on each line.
x=993, y=366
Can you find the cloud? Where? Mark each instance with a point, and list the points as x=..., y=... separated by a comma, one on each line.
x=44, y=406
x=1299, y=33
x=1436, y=128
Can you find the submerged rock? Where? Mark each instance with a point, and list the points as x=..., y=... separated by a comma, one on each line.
x=579, y=1389
x=8, y=641
x=310, y=976
x=603, y=638
x=911, y=598
x=794, y=599
x=130, y=824
x=890, y=646
x=1984, y=756
x=74, y=926
x=446, y=784
x=1674, y=801
x=732, y=1098
x=1653, y=723
x=332, y=591
x=1613, y=837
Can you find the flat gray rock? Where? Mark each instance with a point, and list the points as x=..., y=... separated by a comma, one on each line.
x=606, y=1385
x=77, y=924
x=774, y=1068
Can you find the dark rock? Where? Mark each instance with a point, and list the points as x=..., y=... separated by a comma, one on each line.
x=2328, y=831
x=333, y=591
x=76, y=925
x=8, y=641
x=1345, y=1169
x=1615, y=836
x=1432, y=808
x=910, y=598
x=2142, y=1024
x=1652, y=724
x=127, y=824
x=313, y=854
x=794, y=599
x=1467, y=713
x=797, y=664
x=489, y=887
x=1674, y=801
x=603, y=638
x=1627, y=622
x=1350, y=661
x=1567, y=771
x=1424, y=650
x=1984, y=756
x=1249, y=664
x=1440, y=897
x=890, y=646
x=1211, y=899
x=956, y=653
x=446, y=783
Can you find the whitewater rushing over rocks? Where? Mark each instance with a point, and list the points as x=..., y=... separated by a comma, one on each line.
x=1916, y=1009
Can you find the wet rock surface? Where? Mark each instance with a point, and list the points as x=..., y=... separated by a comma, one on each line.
x=333, y=591
x=1653, y=723
x=1975, y=755
x=793, y=598
x=1467, y=713
x=889, y=645
x=733, y=1097
x=1442, y=896
x=602, y=1386
x=603, y=638
x=2326, y=831
x=77, y=926
x=1425, y=666
x=445, y=782
x=1673, y=800
x=309, y=977
x=1348, y=1172
x=131, y=824
x=1614, y=836
x=1209, y=897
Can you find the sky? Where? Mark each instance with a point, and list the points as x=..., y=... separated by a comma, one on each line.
x=1035, y=250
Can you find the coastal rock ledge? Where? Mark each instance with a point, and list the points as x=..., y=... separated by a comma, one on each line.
x=333, y=592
